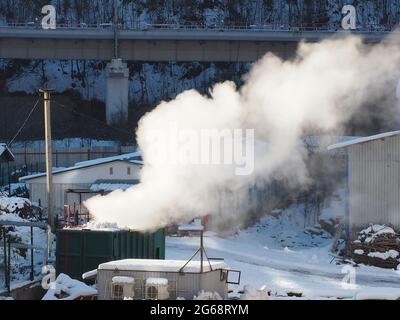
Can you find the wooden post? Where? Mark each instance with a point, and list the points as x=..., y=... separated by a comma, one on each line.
x=49, y=164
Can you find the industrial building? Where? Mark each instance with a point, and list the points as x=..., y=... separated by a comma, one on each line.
x=372, y=180
x=73, y=185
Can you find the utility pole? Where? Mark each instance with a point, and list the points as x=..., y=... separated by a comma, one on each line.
x=49, y=165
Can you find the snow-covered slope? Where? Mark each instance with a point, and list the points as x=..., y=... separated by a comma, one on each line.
x=152, y=82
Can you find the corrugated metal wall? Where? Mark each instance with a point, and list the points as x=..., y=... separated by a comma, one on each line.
x=38, y=191
x=374, y=183
x=184, y=285
x=79, y=251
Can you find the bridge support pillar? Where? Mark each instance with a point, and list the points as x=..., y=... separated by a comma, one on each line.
x=117, y=92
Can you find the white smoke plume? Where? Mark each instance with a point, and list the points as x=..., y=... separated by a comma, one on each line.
x=316, y=91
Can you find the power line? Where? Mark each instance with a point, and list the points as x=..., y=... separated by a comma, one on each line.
x=92, y=118
x=24, y=123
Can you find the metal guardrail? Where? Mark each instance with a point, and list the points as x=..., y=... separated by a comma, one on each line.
x=198, y=27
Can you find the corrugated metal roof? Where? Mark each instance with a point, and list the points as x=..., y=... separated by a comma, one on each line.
x=363, y=140
x=133, y=157
x=136, y=156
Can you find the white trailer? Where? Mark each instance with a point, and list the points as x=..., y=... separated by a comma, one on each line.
x=161, y=279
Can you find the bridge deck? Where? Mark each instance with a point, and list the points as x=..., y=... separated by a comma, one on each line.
x=162, y=44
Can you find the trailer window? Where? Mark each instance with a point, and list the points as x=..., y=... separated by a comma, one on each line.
x=117, y=291
x=233, y=276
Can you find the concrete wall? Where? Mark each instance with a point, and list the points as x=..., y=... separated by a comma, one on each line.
x=374, y=183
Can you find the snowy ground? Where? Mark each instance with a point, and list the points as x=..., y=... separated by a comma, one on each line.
x=276, y=253
x=263, y=255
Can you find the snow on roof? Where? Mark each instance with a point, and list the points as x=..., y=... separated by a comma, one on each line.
x=160, y=265
x=5, y=153
x=123, y=279
x=111, y=185
x=363, y=139
x=133, y=157
x=324, y=141
x=89, y=274
x=127, y=156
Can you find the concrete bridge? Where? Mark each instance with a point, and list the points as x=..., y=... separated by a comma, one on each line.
x=156, y=43
x=160, y=44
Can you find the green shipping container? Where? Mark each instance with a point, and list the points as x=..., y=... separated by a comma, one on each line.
x=79, y=251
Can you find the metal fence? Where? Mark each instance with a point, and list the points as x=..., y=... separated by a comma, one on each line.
x=201, y=26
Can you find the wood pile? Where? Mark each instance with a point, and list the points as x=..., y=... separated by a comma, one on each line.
x=377, y=245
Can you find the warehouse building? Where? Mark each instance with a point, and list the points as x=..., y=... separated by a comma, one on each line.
x=73, y=185
x=372, y=180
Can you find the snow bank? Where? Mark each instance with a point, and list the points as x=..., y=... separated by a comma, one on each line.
x=10, y=217
x=207, y=295
x=13, y=204
x=65, y=288
x=251, y=293
x=378, y=294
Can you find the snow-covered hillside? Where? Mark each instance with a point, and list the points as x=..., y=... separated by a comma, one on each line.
x=149, y=82
x=305, y=12
x=152, y=82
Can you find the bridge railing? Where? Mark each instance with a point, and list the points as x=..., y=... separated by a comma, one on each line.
x=198, y=27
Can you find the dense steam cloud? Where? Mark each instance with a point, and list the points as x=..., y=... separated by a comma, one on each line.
x=315, y=92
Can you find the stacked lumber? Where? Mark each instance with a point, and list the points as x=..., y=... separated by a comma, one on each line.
x=377, y=245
